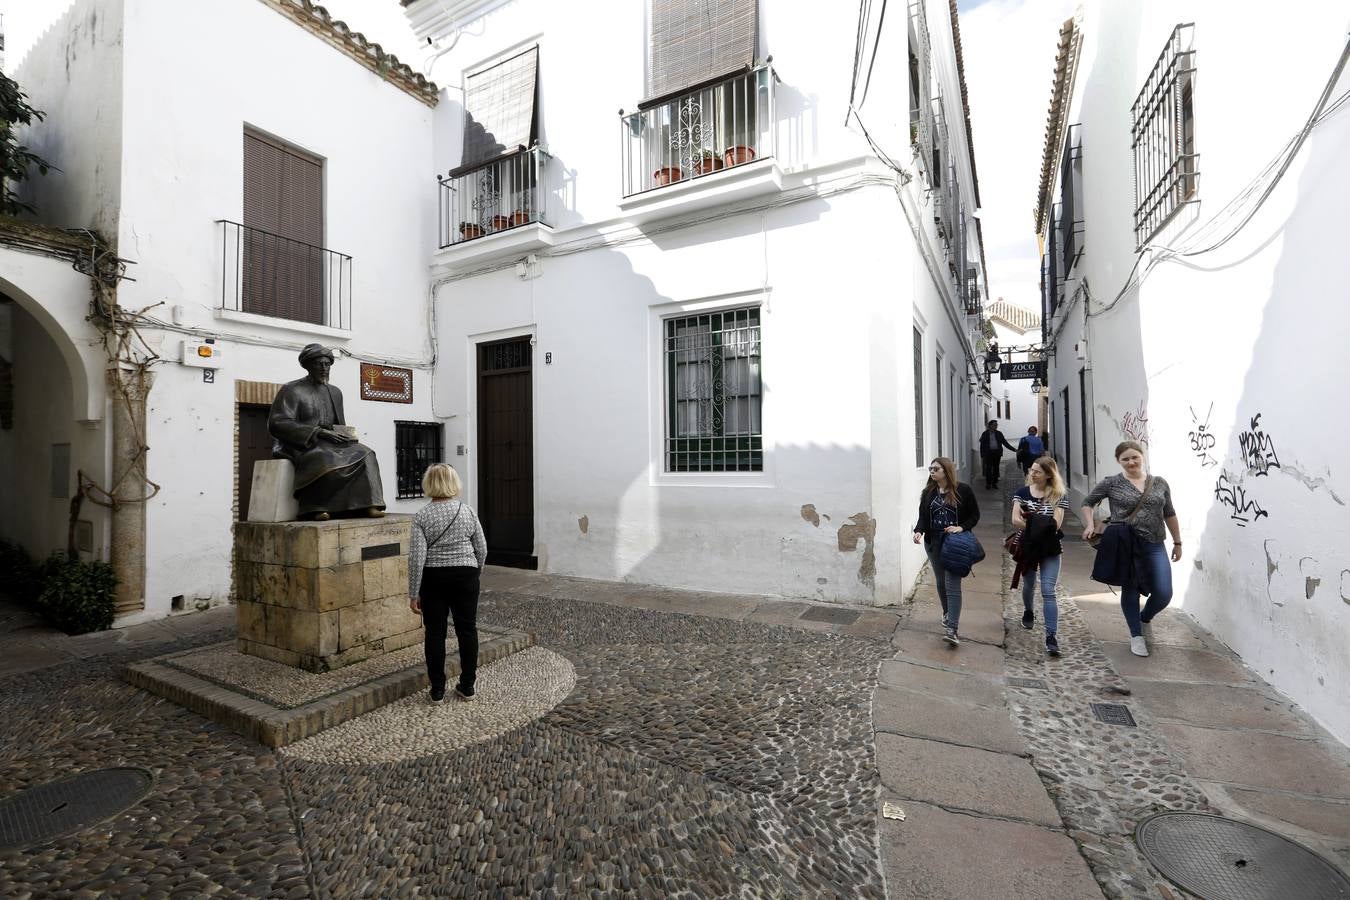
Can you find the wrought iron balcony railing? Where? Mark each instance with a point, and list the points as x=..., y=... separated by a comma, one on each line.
x=269, y=275
x=505, y=193
x=715, y=127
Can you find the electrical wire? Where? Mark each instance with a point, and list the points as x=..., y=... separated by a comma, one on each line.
x=876, y=44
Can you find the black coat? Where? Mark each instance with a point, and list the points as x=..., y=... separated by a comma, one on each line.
x=1120, y=559
x=967, y=510
x=999, y=443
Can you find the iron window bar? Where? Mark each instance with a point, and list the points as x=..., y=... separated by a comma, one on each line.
x=416, y=446
x=1071, y=200
x=268, y=274
x=1165, y=167
x=719, y=126
x=506, y=193
x=714, y=392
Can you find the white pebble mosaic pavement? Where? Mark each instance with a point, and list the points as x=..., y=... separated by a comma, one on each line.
x=510, y=693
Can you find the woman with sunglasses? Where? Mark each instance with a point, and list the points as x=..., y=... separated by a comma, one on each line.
x=946, y=506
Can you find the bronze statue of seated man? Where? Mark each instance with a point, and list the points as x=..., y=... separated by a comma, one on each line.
x=334, y=474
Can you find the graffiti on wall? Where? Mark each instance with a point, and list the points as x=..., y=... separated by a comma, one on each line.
x=1231, y=493
x=1134, y=425
x=1202, y=439
x=1257, y=449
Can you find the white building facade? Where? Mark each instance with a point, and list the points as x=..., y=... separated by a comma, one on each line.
x=1196, y=307
x=726, y=338
x=709, y=342
x=262, y=206
x=1013, y=331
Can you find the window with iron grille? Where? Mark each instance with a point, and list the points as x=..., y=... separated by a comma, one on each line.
x=1162, y=135
x=714, y=392
x=918, y=398
x=416, y=446
x=1071, y=201
x=937, y=402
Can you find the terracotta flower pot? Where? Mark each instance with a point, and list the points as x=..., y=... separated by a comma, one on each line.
x=737, y=155
x=500, y=223
x=470, y=230
x=705, y=164
x=520, y=217
x=667, y=175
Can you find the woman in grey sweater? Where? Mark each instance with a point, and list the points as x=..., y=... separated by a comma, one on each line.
x=446, y=555
x=1125, y=492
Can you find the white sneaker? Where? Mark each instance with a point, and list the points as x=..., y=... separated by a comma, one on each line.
x=1138, y=646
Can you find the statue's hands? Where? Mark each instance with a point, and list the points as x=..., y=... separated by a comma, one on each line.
x=336, y=437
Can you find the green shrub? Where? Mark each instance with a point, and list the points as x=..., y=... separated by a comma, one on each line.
x=77, y=596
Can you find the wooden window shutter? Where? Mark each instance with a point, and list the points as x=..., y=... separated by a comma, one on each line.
x=693, y=42
x=283, y=259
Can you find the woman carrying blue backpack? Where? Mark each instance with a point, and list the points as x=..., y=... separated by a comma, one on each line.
x=947, y=508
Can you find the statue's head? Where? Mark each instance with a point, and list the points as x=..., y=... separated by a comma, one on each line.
x=317, y=360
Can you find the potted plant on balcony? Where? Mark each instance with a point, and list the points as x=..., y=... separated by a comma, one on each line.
x=708, y=162
x=914, y=132
x=521, y=217
x=470, y=230
x=667, y=175
x=500, y=223
x=738, y=155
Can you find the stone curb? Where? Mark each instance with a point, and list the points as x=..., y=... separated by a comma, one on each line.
x=277, y=726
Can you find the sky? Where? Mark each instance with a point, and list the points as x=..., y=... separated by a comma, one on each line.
x=1008, y=48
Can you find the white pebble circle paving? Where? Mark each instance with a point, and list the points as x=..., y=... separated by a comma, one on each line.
x=510, y=693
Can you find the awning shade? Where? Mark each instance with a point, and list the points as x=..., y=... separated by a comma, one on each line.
x=694, y=42
x=499, y=109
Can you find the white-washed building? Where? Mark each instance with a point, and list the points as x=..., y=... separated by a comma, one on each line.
x=683, y=302
x=264, y=172
x=702, y=298
x=1013, y=331
x=1198, y=306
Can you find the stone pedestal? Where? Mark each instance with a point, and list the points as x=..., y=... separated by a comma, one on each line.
x=321, y=595
x=271, y=497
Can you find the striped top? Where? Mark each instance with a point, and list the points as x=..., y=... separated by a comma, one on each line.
x=1037, y=506
x=462, y=545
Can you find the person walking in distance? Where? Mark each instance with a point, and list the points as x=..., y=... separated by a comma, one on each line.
x=1038, y=509
x=1131, y=553
x=992, y=443
x=1030, y=449
x=446, y=555
x=945, y=507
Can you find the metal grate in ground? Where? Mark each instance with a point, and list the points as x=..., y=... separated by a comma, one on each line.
x=832, y=616
x=1033, y=683
x=68, y=805
x=1113, y=714
x=1221, y=859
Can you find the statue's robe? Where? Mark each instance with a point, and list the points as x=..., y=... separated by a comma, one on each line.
x=329, y=477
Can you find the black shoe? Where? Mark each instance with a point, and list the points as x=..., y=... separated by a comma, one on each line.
x=461, y=695
x=952, y=637
x=1028, y=620
x=437, y=694
x=1051, y=644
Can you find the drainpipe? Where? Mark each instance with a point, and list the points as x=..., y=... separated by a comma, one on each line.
x=128, y=389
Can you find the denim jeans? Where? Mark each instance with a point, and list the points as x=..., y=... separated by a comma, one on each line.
x=1048, y=572
x=1159, y=566
x=450, y=593
x=948, y=585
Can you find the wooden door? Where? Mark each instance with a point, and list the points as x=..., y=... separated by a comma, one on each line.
x=254, y=444
x=506, y=452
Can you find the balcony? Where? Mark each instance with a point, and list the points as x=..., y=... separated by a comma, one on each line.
x=274, y=280
x=708, y=146
x=495, y=210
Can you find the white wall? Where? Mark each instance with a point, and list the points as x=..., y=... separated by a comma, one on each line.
x=74, y=73
x=1203, y=348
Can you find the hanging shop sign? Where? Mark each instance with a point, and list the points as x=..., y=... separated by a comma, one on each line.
x=388, y=384
x=1014, y=370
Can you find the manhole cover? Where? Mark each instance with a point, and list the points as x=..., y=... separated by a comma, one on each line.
x=832, y=616
x=1036, y=683
x=1113, y=714
x=1220, y=859
x=69, y=805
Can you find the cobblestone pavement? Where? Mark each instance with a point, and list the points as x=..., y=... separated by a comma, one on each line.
x=693, y=756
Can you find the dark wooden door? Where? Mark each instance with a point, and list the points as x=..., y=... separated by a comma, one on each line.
x=506, y=452
x=254, y=444
x=1068, y=442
